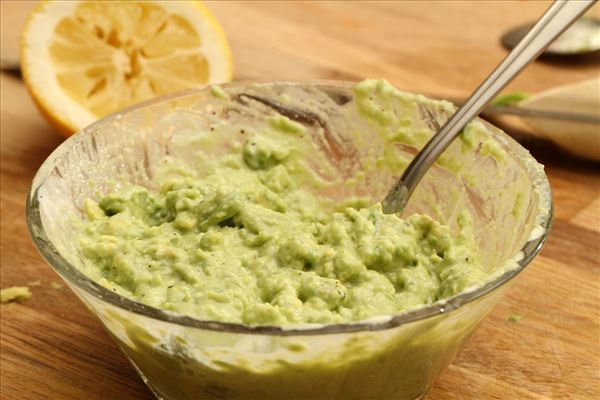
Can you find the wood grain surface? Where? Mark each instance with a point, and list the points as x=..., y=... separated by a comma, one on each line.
x=53, y=348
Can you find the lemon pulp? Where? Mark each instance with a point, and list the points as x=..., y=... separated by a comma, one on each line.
x=109, y=55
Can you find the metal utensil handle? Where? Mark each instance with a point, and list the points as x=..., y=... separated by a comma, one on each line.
x=555, y=20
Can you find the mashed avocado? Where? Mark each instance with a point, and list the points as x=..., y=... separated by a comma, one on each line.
x=249, y=243
x=15, y=293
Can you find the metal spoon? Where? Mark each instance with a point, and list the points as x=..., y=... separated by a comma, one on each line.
x=555, y=20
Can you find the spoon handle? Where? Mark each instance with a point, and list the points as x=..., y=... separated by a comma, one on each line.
x=555, y=20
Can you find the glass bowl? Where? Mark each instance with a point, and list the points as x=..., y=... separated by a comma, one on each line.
x=485, y=174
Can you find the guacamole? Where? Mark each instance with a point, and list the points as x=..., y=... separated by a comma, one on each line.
x=14, y=293
x=248, y=241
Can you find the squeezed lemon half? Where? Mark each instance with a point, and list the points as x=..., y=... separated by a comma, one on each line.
x=82, y=60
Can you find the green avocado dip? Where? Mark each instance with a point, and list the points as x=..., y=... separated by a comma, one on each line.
x=248, y=242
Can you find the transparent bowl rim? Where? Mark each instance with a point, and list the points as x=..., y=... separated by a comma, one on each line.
x=77, y=278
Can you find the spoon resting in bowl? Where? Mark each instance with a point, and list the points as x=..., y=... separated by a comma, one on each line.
x=555, y=20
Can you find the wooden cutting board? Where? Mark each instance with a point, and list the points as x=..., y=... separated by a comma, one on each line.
x=53, y=348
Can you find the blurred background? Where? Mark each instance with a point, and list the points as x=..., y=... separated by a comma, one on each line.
x=443, y=49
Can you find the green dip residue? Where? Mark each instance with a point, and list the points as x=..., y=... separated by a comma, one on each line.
x=515, y=318
x=15, y=293
x=510, y=99
x=250, y=243
x=217, y=91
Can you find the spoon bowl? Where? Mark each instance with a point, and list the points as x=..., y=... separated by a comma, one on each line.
x=568, y=51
